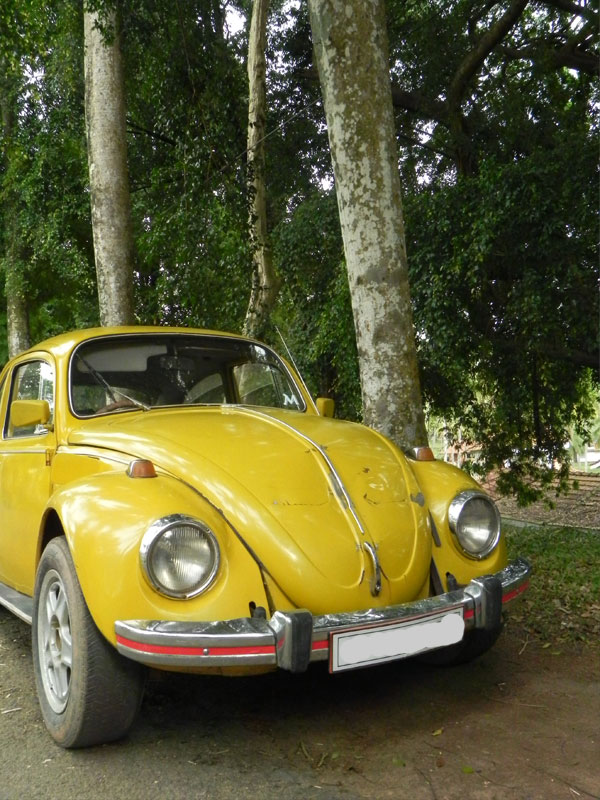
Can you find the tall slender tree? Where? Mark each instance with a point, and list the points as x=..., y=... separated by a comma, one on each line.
x=264, y=279
x=352, y=58
x=107, y=159
x=17, y=316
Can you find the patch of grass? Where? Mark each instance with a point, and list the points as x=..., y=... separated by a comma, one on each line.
x=563, y=602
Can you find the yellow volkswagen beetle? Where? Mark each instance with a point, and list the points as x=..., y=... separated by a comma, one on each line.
x=174, y=498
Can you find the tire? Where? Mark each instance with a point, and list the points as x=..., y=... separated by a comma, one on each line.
x=88, y=693
x=474, y=644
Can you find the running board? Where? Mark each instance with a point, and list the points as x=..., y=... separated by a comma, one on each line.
x=20, y=604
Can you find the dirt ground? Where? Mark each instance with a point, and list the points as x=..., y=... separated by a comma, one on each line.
x=579, y=507
x=521, y=723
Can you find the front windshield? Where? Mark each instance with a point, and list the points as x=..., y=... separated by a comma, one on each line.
x=148, y=370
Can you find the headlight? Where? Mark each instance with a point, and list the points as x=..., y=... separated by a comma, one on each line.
x=475, y=520
x=179, y=556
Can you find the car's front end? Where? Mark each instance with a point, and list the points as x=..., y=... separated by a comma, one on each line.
x=202, y=515
x=347, y=640
x=269, y=538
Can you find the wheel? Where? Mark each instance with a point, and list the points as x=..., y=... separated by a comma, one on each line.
x=474, y=644
x=89, y=694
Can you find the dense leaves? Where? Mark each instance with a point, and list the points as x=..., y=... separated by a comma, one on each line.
x=187, y=115
x=314, y=314
x=45, y=230
x=501, y=220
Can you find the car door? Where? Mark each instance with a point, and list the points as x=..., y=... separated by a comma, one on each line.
x=26, y=454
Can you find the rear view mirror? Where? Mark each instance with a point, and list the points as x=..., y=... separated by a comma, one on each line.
x=326, y=406
x=26, y=413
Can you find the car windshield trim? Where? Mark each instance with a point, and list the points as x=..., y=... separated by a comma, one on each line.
x=132, y=371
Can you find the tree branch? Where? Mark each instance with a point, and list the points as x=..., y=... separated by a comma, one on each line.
x=465, y=157
x=401, y=98
x=425, y=146
x=577, y=358
x=481, y=51
x=419, y=104
x=581, y=359
x=571, y=8
x=567, y=56
x=135, y=128
x=573, y=53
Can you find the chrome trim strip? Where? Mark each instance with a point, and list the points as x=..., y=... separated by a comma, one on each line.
x=30, y=451
x=92, y=451
x=21, y=605
x=252, y=641
x=335, y=623
x=339, y=489
x=375, y=583
x=246, y=640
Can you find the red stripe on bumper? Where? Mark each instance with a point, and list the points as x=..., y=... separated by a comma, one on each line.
x=515, y=592
x=246, y=650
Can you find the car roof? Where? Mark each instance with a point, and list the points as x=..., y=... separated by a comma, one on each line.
x=65, y=342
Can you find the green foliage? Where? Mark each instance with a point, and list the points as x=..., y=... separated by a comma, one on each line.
x=562, y=605
x=314, y=312
x=297, y=149
x=45, y=230
x=503, y=270
x=186, y=118
x=502, y=249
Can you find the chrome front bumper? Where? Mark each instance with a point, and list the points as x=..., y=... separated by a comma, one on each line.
x=292, y=639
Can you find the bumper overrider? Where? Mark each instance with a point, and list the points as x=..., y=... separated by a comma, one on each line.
x=292, y=639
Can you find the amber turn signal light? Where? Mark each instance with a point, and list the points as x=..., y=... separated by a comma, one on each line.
x=424, y=454
x=141, y=468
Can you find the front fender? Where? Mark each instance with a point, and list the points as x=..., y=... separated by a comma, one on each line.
x=440, y=482
x=104, y=518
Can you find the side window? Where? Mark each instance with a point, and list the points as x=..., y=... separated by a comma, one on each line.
x=31, y=381
x=262, y=384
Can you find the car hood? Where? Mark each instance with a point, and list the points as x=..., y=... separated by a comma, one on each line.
x=326, y=506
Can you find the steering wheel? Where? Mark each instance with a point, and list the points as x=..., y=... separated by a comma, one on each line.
x=124, y=403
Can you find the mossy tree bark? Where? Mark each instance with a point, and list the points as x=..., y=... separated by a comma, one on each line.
x=107, y=161
x=350, y=42
x=17, y=316
x=264, y=280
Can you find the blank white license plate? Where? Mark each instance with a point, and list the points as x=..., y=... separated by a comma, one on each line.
x=366, y=646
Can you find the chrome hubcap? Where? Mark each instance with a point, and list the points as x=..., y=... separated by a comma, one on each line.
x=54, y=642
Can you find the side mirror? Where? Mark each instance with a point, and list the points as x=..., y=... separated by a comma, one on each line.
x=325, y=406
x=26, y=413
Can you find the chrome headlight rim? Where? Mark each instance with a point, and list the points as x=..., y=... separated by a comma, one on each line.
x=456, y=510
x=151, y=539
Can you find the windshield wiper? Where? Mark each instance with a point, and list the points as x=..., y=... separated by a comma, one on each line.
x=101, y=380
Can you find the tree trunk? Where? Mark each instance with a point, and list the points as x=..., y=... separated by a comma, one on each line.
x=264, y=281
x=17, y=316
x=352, y=57
x=109, y=179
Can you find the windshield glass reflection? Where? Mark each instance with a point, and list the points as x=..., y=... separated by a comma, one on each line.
x=123, y=372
